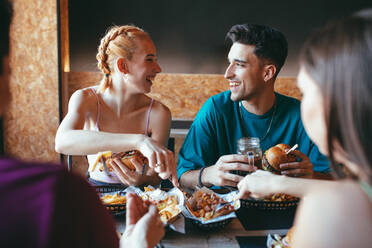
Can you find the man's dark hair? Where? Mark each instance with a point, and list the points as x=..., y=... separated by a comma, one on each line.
x=270, y=43
x=5, y=16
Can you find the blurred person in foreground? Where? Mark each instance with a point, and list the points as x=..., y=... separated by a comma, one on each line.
x=335, y=78
x=251, y=108
x=42, y=205
x=118, y=116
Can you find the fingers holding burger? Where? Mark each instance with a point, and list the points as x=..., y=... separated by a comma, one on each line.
x=275, y=156
x=127, y=159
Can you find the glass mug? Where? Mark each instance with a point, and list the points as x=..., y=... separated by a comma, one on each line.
x=250, y=146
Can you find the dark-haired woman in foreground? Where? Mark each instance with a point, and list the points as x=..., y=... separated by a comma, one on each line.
x=336, y=81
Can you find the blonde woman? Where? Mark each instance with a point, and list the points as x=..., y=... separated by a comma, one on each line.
x=117, y=115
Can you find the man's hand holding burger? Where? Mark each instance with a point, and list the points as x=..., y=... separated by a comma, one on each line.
x=303, y=168
x=268, y=181
x=294, y=164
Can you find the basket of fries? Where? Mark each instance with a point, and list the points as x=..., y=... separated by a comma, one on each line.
x=169, y=203
x=114, y=201
x=273, y=202
x=209, y=210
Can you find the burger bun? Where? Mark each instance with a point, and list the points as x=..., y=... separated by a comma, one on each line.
x=277, y=155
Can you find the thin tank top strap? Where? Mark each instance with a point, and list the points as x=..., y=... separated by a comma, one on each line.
x=98, y=108
x=366, y=188
x=148, y=117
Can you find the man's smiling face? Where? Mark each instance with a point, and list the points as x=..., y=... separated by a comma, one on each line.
x=245, y=72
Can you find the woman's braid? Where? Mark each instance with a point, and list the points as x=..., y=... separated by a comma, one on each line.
x=103, y=53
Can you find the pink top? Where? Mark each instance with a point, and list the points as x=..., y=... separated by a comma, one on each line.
x=99, y=112
x=97, y=174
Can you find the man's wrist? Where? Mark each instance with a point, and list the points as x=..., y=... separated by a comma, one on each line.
x=202, y=178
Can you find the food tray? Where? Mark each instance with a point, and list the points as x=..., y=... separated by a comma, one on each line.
x=268, y=205
x=213, y=225
x=109, y=188
x=114, y=209
x=117, y=209
x=218, y=222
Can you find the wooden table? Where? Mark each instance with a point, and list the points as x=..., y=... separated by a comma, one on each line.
x=224, y=237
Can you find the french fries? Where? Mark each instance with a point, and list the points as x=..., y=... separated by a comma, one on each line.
x=114, y=199
x=105, y=155
x=166, y=204
x=280, y=197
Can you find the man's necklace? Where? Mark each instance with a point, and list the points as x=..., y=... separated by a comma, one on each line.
x=243, y=126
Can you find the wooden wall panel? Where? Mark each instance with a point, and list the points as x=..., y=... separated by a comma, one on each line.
x=32, y=120
x=184, y=94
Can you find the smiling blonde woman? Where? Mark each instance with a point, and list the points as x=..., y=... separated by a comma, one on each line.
x=117, y=115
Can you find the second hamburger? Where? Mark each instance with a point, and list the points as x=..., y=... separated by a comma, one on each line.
x=275, y=156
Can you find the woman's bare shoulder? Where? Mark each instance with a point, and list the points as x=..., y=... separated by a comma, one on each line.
x=83, y=97
x=159, y=109
x=85, y=93
x=336, y=216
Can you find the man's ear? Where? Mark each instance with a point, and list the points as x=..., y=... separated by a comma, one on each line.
x=269, y=72
x=122, y=65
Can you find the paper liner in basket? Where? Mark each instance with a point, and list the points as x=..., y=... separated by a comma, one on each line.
x=188, y=212
x=276, y=241
x=169, y=203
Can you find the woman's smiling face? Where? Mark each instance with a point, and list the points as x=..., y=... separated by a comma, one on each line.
x=143, y=67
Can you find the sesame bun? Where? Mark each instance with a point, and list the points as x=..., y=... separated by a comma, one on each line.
x=125, y=158
x=283, y=146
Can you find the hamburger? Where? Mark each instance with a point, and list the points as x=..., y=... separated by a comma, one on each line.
x=125, y=158
x=106, y=159
x=275, y=156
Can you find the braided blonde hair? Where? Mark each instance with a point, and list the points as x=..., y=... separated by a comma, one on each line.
x=119, y=41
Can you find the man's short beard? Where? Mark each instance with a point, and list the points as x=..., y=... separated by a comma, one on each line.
x=234, y=100
x=240, y=97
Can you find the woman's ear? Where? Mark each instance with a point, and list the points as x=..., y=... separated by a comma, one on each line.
x=269, y=72
x=122, y=65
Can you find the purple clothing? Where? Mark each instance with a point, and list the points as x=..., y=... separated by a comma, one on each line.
x=42, y=205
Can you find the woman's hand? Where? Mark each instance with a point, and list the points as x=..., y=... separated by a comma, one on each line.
x=258, y=184
x=160, y=158
x=143, y=225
